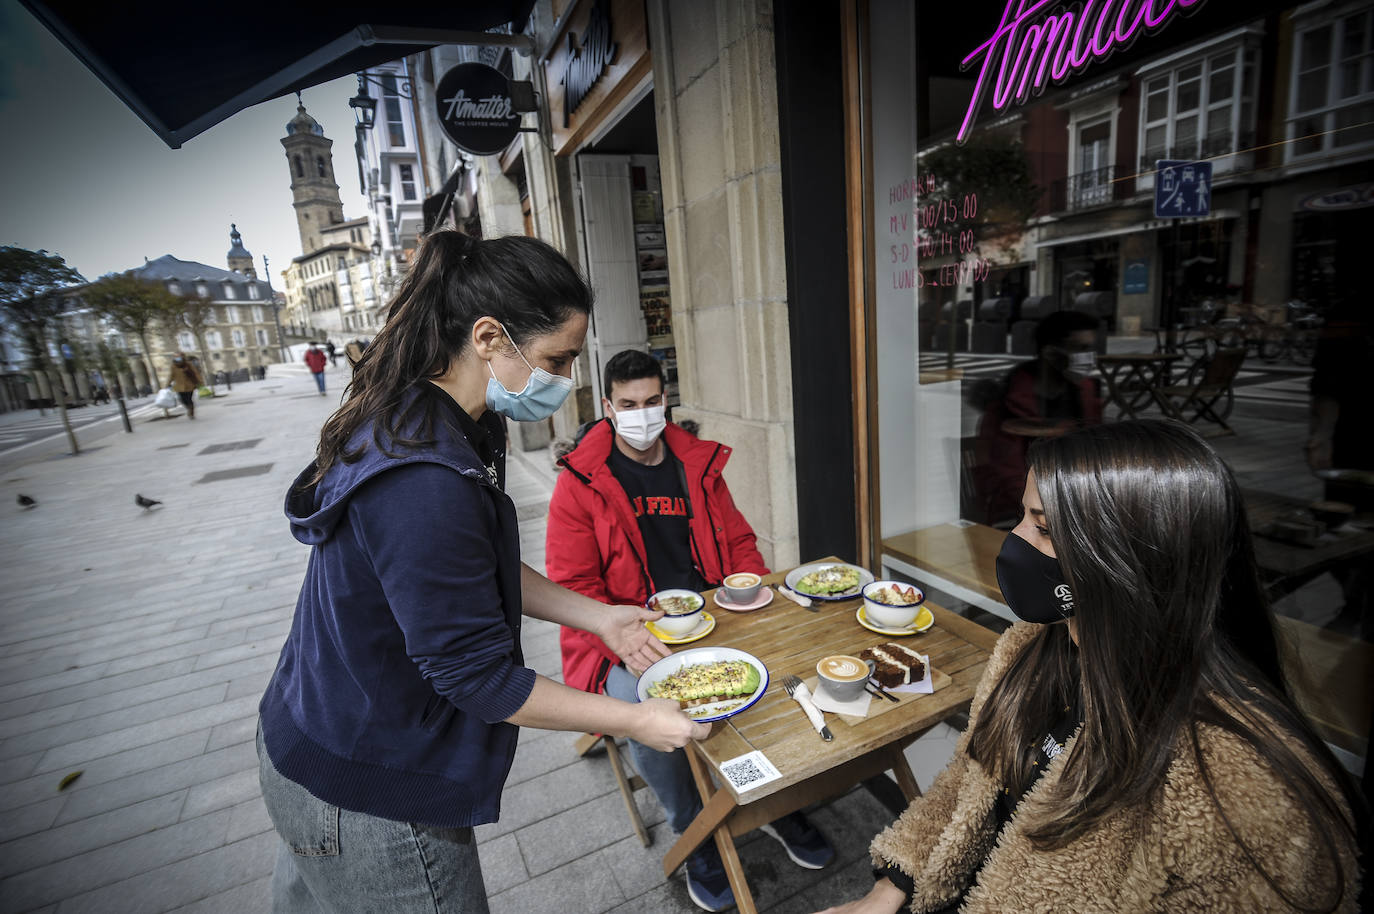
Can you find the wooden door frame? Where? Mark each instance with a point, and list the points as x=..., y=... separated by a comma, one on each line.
x=858, y=130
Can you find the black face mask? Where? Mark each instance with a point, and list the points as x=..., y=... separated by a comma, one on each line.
x=1032, y=583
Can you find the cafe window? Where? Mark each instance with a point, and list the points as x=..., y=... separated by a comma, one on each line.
x=1001, y=242
x=1199, y=110
x=1333, y=86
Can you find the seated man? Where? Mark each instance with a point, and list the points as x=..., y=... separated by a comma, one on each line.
x=641, y=508
x=1058, y=385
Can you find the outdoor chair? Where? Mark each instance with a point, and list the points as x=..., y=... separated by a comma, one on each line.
x=585, y=745
x=1207, y=392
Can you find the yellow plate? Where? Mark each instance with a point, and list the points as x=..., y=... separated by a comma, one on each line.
x=924, y=620
x=707, y=625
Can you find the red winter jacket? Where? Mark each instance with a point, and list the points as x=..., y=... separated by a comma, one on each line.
x=315, y=359
x=594, y=546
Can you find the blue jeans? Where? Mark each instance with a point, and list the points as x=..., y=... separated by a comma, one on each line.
x=666, y=772
x=334, y=860
x=319, y=379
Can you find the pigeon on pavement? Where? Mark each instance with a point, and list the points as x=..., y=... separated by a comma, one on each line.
x=25, y=502
x=145, y=503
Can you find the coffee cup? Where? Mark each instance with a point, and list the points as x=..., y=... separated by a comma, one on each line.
x=742, y=587
x=681, y=611
x=842, y=676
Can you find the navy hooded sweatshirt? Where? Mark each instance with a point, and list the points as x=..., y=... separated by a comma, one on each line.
x=404, y=656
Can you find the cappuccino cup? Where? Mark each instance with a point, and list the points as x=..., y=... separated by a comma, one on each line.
x=742, y=586
x=842, y=676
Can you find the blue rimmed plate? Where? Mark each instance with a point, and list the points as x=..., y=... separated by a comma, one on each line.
x=719, y=710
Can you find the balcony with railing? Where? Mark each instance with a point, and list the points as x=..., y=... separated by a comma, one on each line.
x=1087, y=189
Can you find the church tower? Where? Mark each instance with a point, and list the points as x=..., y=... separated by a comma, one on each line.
x=314, y=193
x=240, y=261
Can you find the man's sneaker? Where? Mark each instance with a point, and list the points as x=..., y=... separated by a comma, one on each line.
x=806, y=846
x=707, y=884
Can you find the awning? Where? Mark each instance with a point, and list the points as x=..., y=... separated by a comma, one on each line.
x=183, y=67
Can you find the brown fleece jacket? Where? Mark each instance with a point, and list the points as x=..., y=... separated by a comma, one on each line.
x=1179, y=857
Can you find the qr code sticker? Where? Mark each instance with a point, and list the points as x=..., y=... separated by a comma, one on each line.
x=749, y=771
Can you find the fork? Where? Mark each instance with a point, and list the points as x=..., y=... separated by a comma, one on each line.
x=792, y=684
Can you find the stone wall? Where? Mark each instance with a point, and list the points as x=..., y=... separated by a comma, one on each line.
x=716, y=97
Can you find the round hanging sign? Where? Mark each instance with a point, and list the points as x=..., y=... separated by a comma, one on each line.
x=475, y=109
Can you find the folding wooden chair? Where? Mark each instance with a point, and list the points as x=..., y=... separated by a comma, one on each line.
x=585, y=745
x=1207, y=393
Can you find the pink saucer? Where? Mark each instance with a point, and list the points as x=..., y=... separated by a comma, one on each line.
x=765, y=596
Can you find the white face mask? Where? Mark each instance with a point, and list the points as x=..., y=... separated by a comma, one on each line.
x=640, y=427
x=1082, y=363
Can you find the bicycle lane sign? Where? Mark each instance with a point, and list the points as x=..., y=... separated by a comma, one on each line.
x=1182, y=189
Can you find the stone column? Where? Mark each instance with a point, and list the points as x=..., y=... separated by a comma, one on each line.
x=716, y=96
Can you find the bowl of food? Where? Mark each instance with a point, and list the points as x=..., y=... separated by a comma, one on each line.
x=892, y=604
x=708, y=683
x=828, y=580
x=681, y=611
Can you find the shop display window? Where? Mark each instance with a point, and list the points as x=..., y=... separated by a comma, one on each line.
x=1005, y=238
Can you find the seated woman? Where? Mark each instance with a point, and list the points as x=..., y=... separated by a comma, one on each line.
x=1131, y=746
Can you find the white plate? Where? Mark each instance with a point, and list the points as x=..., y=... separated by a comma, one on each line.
x=797, y=574
x=670, y=665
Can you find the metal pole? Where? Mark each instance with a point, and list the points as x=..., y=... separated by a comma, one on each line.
x=282, y=351
x=124, y=413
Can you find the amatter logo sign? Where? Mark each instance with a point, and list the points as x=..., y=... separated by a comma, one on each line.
x=1039, y=43
x=475, y=108
x=587, y=63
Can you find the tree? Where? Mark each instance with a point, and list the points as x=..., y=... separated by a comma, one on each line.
x=134, y=305
x=195, y=314
x=31, y=283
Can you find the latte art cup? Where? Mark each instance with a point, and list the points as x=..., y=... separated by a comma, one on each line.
x=742, y=587
x=842, y=676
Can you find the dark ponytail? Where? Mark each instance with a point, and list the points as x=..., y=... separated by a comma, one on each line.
x=454, y=280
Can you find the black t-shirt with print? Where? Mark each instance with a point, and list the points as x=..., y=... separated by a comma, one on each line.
x=659, y=500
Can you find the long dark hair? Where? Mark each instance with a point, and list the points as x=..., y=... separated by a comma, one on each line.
x=455, y=279
x=1174, y=633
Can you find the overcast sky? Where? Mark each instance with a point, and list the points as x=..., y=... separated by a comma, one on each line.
x=83, y=177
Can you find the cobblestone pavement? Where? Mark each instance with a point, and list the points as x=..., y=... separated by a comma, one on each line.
x=134, y=646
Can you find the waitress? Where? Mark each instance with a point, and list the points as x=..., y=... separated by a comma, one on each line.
x=389, y=726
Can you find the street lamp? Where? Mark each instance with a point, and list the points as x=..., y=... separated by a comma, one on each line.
x=282, y=351
x=364, y=105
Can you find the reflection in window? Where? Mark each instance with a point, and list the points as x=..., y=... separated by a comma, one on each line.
x=1199, y=110
x=1333, y=86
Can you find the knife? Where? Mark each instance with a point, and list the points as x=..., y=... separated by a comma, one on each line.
x=802, y=695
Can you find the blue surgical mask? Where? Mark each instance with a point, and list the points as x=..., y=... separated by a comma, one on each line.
x=540, y=398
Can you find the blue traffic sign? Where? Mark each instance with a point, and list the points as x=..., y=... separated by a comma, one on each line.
x=1182, y=189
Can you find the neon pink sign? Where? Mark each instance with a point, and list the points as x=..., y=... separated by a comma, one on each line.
x=1029, y=52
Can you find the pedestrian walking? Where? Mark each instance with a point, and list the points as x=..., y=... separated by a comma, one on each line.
x=390, y=724
x=314, y=359
x=185, y=381
x=331, y=351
